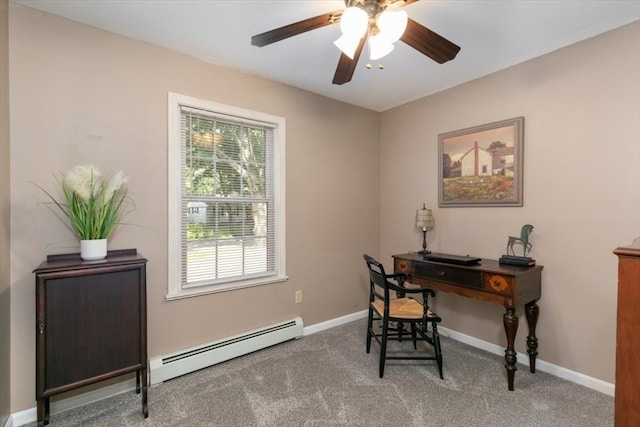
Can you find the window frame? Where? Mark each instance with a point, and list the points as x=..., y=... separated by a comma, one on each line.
x=175, y=288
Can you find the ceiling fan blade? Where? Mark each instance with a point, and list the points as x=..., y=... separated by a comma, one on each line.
x=346, y=65
x=296, y=28
x=429, y=43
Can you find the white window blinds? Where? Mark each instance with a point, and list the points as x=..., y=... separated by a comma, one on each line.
x=227, y=198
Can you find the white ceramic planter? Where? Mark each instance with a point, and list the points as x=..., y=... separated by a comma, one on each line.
x=93, y=249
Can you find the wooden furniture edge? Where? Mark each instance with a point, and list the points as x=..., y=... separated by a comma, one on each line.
x=76, y=255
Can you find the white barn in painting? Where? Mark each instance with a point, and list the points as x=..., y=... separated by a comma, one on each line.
x=476, y=162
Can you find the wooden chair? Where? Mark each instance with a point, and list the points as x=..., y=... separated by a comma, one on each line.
x=388, y=303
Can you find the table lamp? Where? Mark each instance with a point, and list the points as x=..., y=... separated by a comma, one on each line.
x=424, y=221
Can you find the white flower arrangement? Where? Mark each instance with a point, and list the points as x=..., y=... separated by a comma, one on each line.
x=92, y=204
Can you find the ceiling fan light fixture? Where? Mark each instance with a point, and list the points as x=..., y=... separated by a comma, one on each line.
x=392, y=23
x=379, y=46
x=372, y=18
x=354, y=22
x=347, y=44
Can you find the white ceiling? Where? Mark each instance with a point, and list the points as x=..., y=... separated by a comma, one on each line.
x=493, y=35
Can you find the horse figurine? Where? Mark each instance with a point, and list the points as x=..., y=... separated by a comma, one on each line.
x=523, y=240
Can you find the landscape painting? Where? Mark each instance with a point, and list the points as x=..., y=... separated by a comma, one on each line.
x=482, y=166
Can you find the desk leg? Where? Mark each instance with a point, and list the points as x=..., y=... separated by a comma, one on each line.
x=510, y=321
x=533, y=311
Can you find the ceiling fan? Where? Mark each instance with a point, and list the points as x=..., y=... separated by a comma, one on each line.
x=415, y=35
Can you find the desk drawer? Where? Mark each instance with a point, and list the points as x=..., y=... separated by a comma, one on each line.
x=442, y=273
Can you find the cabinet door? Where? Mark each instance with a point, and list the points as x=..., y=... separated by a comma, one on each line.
x=92, y=327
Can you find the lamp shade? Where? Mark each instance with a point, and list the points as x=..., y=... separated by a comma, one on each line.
x=392, y=23
x=424, y=219
x=379, y=47
x=353, y=24
x=347, y=44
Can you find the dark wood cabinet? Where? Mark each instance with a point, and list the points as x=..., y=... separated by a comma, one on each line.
x=627, y=400
x=91, y=323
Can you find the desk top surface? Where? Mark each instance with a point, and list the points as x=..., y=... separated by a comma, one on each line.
x=485, y=265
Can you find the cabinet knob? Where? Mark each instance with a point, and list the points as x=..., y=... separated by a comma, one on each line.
x=41, y=328
x=442, y=273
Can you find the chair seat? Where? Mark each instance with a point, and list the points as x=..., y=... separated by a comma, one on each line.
x=407, y=308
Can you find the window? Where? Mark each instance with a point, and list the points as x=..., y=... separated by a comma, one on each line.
x=226, y=197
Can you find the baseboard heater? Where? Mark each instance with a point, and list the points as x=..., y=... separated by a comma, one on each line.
x=163, y=368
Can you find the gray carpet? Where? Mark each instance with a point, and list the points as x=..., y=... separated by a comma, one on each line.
x=327, y=379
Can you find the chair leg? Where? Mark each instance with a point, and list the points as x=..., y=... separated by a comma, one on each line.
x=400, y=327
x=436, y=345
x=383, y=345
x=369, y=329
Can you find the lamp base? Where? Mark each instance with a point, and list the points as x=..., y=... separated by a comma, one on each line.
x=424, y=252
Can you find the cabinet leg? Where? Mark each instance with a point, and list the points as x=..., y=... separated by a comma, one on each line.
x=510, y=321
x=40, y=412
x=145, y=386
x=42, y=408
x=138, y=382
x=46, y=411
x=145, y=406
x=532, y=311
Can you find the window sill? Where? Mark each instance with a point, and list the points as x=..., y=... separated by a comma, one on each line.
x=214, y=289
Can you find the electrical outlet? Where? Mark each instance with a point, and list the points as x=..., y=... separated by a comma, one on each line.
x=298, y=297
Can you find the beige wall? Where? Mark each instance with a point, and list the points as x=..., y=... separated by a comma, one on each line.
x=5, y=191
x=84, y=95
x=581, y=106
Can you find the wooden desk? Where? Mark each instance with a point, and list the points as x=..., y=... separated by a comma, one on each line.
x=489, y=281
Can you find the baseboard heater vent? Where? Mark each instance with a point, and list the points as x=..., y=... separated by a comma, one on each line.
x=163, y=368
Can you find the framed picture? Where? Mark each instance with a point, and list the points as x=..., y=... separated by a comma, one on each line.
x=482, y=165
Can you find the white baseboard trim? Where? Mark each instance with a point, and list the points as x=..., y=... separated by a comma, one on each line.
x=318, y=327
x=27, y=416
x=550, y=368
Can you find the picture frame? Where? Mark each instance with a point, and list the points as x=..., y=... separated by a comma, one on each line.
x=482, y=165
